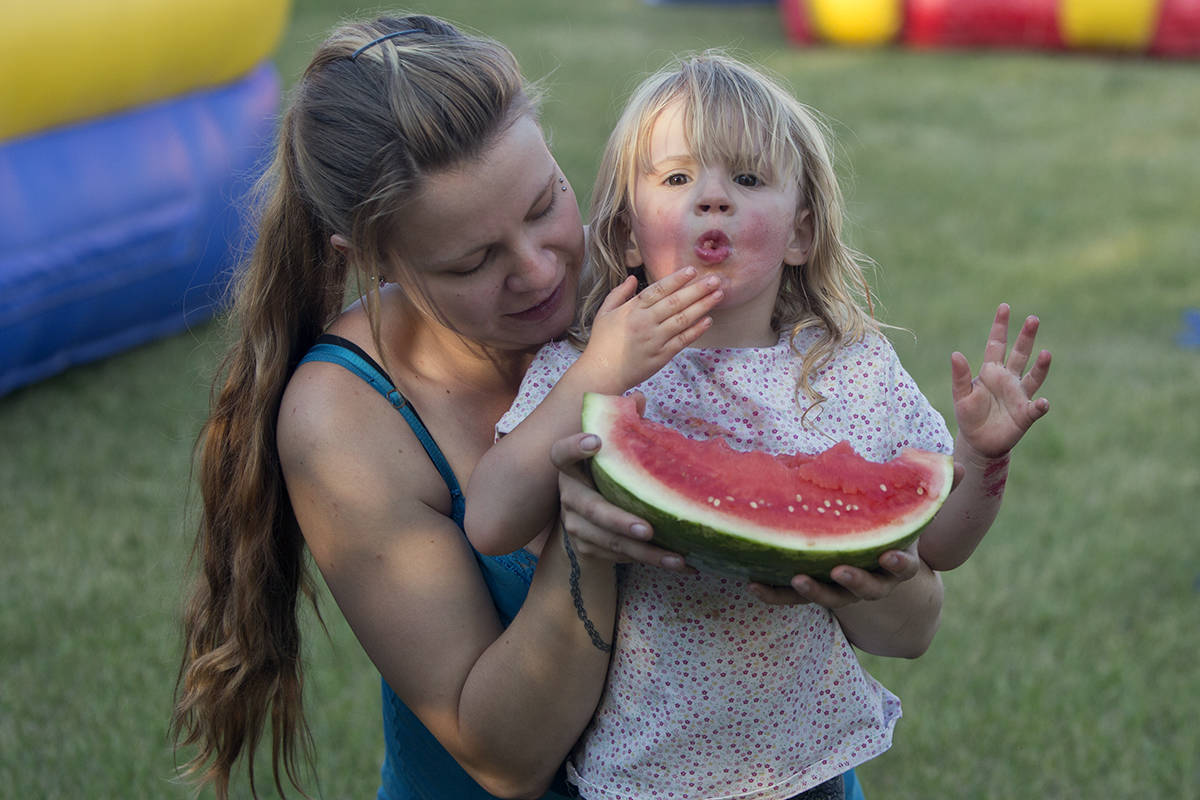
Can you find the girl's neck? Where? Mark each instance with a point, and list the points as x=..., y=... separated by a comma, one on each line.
x=731, y=332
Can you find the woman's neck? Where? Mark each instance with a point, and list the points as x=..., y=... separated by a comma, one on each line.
x=426, y=353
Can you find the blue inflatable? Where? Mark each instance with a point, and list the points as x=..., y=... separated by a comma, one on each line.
x=125, y=228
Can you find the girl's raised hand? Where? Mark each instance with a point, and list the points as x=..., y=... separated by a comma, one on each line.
x=636, y=333
x=995, y=408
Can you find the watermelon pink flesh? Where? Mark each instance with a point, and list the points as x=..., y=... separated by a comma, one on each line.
x=758, y=515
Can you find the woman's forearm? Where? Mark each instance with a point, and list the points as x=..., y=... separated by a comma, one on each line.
x=900, y=625
x=533, y=691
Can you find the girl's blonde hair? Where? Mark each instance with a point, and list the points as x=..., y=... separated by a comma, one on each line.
x=735, y=114
x=366, y=123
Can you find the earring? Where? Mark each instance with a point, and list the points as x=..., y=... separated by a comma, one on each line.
x=562, y=183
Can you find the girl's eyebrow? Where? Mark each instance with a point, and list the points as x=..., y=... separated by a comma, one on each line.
x=673, y=161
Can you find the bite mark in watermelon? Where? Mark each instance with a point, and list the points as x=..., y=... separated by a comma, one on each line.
x=756, y=516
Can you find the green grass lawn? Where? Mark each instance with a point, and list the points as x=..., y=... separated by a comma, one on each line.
x=1068, y=186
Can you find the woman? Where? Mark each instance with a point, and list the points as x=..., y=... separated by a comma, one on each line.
x=409, y=155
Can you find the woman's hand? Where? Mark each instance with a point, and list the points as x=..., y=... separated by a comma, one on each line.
x=995, y=408
x=850, y=584
x=597, y=527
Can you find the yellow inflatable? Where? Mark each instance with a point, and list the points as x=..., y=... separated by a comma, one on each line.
x=1117, y=24
x=856, y=22
x=1164, y=28
x=68, y=60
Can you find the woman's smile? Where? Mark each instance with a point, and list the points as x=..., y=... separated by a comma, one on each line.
x=543, y=309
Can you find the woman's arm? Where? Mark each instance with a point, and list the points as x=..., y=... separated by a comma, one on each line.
x=513, y=492
x=508, y=704
x=893, y=611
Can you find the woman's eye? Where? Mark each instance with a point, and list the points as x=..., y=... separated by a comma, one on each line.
x=747, y=180
x=471, y=270
x=676, y=179
x=545, y=210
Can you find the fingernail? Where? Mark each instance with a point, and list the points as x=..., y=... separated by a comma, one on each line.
x=640, y=530
x=590, y=442
x=672, y=563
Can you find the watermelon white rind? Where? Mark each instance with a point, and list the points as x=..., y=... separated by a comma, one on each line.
x=732, y=513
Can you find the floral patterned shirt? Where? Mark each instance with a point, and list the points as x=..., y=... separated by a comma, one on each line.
x=712, y=693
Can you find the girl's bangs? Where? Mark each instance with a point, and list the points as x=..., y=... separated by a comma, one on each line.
x=729, y=128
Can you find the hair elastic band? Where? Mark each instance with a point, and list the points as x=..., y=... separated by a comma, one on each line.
x=384, y=38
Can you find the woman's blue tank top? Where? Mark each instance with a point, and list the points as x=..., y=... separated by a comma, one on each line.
x=416, y=766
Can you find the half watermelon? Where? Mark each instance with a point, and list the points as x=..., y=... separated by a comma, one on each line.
x=756, y=516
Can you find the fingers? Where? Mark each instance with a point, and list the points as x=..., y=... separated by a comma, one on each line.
x=849, y=584
x=621, y=294
x=1018, y=358
x=1033, y=381
x=660, y=289
x=997, y=341
x=1023, y=346
x=600, y=543
x=960, y=376
x=599, y=528
x=685, y=300
x=568, y=452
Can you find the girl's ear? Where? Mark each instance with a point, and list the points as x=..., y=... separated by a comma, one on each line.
x=633, y=254
x=340, y=243
x=800, y=246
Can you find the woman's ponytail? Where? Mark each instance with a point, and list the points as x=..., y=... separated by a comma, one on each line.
x=241, y=661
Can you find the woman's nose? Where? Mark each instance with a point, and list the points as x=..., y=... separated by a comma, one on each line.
x=535, y=268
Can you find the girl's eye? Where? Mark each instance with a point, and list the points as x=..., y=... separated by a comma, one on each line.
x=747, y=180
x=676, y=179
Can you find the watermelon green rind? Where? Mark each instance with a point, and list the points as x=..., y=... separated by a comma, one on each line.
x=738, y=548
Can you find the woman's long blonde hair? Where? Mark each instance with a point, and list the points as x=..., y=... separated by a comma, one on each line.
x=363, y=126
x=734, y=113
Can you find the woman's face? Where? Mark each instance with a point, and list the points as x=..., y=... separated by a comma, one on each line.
x=497, y=243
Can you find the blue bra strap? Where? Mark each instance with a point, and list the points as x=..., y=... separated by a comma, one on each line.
x=345, y=353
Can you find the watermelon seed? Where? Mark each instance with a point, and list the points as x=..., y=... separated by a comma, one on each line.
x=920, y=490
x=820, y=510
x=753, y=504
x=827, y=504
x=882, y=487
x=799, y=499
x=791, y=510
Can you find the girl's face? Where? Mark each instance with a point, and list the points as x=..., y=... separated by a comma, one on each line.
x=725, y=222
x=497, y=243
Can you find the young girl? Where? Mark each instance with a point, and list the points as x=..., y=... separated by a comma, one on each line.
x=711, y=693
